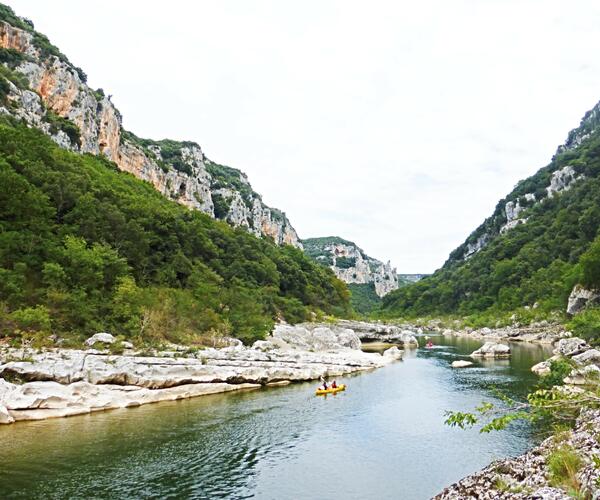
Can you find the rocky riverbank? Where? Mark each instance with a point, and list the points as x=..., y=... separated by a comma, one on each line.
x=531, y=476
x=543, y=332
x=61, y=382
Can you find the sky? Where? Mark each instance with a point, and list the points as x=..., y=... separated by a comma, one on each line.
x=397, y=125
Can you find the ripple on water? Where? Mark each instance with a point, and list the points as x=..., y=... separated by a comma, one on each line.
x=379, y=439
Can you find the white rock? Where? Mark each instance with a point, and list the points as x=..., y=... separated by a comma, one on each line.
x=570, y=346
x=263, y=345
x=580, y=297
x=586, y=357
x=492, y=350
x=393, y=352
x=103, y=338
x=541, y=369
x=127, y=345
x=583, y=376
x=5, y=416
x=461, y=363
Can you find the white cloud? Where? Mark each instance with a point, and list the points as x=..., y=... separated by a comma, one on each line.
x=397, y=125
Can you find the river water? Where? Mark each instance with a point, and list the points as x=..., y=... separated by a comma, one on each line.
x=382, y=438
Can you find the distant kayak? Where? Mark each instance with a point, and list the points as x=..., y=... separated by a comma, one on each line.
x=321, y=392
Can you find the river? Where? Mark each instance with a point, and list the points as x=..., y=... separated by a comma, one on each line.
x=382, y=438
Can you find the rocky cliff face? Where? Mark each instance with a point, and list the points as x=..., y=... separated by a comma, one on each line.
x=351, y=264
x=40, y=86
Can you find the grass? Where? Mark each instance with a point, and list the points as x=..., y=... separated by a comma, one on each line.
x=563, y=465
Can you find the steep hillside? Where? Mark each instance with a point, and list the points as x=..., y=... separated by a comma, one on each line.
x=527, y=252
x=368, y=279
x=39, y=85
x=85, y=247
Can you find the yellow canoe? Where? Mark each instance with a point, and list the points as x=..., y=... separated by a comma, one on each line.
x=339, y=388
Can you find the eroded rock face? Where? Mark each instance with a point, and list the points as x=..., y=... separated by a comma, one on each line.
x=352, y=265
x=580, y=297
x=492, y=350
x=561, y=180
x=177, y=170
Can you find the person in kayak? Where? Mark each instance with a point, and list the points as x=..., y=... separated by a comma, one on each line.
x=334, y=385
x=324, y=386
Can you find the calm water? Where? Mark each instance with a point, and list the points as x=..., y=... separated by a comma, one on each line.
x=382, y=438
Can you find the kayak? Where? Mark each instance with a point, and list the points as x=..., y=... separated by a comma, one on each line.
x=339, y=388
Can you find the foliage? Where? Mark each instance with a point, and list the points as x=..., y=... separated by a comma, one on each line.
x=563, y=465
x=221, y=205
x=586, y=325
x=536, y=262
x=227, y=177
x=100, y=250
x=363, y=298
x=345, y=262
x=548, y=403
x=67, y=126
x=11, y=57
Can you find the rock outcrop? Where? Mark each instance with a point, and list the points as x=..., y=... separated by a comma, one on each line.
x=381, y=332
x=580, y=297
x=52, y=95
x=57, y=383
x=542, y=332
x=351, y=264
x=492, y=350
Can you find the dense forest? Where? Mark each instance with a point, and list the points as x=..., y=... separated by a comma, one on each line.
x=533, y=265
x=87, y=248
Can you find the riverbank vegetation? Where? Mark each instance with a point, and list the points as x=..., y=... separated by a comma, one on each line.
x=86, y=248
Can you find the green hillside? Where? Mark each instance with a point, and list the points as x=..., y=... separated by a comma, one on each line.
x=535, y=262
x=87, y=248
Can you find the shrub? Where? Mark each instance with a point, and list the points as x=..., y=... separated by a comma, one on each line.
x=586, y=325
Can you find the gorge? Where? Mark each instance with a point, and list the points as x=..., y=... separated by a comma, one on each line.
x=137, y=271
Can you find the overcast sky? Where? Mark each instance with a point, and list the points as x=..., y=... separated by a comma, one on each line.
x=397, y=125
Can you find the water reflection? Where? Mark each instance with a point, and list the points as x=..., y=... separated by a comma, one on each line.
x=378, y=439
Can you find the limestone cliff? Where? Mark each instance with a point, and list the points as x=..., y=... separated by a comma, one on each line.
x=39, y=85
x=351, y=264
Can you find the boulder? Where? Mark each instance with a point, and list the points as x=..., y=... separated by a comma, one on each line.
x=5, y=416
x=580, y=297
x=103, y=338
x=407, y=339
x=583, y=376
x=541, y=369
x=461, y=363
x=264, y=345
x=570, y=346
x=492, y=350
x=590, y=356
x=393, y=352
x=126, y=345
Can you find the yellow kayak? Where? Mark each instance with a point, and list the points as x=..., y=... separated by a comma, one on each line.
x=339, y=388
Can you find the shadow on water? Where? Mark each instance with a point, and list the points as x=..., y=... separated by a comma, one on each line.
x=382, y=438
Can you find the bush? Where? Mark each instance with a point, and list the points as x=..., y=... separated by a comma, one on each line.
x=586, y=325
